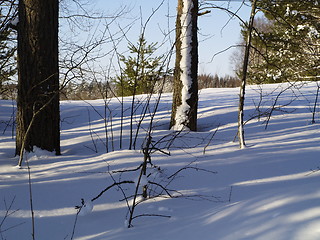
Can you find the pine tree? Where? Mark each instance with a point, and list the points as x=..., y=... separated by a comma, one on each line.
x=38, y=120
x=141, y=69
x=289, y=48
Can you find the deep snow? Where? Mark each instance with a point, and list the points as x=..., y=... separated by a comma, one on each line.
x=269, y=190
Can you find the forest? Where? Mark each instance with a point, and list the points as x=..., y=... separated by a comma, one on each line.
x=108, y=134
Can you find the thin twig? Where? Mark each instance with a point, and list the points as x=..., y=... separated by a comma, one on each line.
x=214, y=133
x=151, y=215
x=111, y=186
x=31, y=199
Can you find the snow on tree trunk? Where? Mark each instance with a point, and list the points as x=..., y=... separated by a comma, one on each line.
x=244, y=78
x=185, y=99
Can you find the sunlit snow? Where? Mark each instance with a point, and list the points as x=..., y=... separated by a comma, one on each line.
x=269, y=190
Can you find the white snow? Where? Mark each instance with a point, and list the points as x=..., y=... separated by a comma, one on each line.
x=143, y=180
x=181, y=117
x=301, y=27
x=269, y=190
x=15, y=21
x=86, y=208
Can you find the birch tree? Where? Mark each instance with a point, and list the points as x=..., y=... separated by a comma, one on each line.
x=244, y=76
x=287, y=45
x=185, y=93
x=38, y=121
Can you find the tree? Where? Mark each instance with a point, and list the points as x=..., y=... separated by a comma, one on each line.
x=289, y=47
x=7, y=68
x=185, y=93
x=38, y=120
x=7, y=44
x=244, y=76
x=257, y=51
x=141, y=71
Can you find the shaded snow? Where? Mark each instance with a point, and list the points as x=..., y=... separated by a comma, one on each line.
x=269, y=190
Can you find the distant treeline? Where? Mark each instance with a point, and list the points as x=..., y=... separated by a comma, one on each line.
x=95, y=90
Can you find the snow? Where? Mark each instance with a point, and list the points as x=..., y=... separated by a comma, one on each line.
x=15, y=21
x=269, y=190
x=85, y=208
x=181, y=117
x=143, y=180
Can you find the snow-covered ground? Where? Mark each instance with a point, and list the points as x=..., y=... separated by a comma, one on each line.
x=269, y=190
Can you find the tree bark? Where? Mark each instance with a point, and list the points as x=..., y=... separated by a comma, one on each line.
x=38, y=117
x=185, y=92
x=242, y=143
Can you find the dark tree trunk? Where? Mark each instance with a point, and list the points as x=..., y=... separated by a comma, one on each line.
x=192, y=49
x=38, y=117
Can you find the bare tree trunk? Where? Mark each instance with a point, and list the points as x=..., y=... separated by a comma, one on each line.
x=244, y=77
x=185, y=92
x=38, y=118
x=315, y=105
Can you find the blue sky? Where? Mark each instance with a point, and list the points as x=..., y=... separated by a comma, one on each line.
x=213, y=38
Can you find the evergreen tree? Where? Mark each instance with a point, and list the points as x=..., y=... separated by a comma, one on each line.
x=38, y=118
x=141, y=69
x=288, y=49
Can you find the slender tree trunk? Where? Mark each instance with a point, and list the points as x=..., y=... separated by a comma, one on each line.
x=315, y=105
x=244, y=78
x=185, y=93
x=38, y=118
